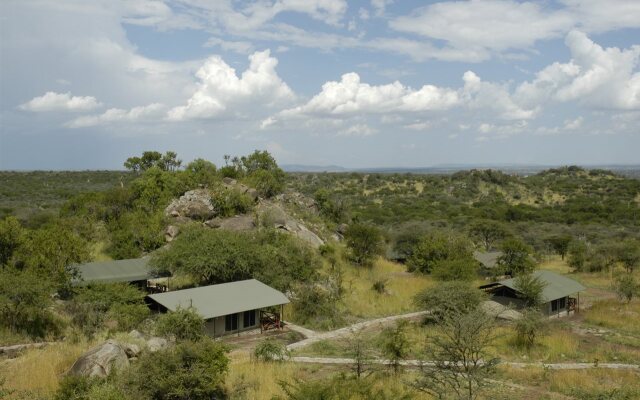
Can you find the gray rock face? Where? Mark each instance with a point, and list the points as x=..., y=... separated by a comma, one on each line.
x=101, y=360
x=237, y=223
x=136, y=334
x=156, y=343
x=171, y=233
x=195, y=204
x=131, y=350
x=276, y=215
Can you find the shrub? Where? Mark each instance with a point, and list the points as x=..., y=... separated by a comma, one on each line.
x=230, y=202
x=449, y=298
x=188, y=371
x=530, y=289
x=315, y=305
x=627, y=287
x=455, y=270
x=270, y=350
x=395, y=345
x=364, y=243
x=515, y=258
x=529, y=326
x=437, y=247
x=380, y=286
x=183, y=324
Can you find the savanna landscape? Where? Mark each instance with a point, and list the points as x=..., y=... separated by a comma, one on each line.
x=383, y=285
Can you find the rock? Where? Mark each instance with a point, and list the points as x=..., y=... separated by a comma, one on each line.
x=156, y=343
x=136, y=334
x=15, y=350
x=342, y=228
x=131, y=350
x=229, y=181
x=194, y=204
x=171, y=233
x=238, y=223
x=101, y=360
x=214, y=223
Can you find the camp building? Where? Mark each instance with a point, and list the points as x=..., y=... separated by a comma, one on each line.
x=560, y=296
x=228, y=307
x=135, y=271
x=487, y=260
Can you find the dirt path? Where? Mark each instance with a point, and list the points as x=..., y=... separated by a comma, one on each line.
x=418, y=363
x=313, y=336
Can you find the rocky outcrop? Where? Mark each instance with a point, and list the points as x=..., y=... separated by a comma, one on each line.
x=156, y=343
x=273, y=214
x=299, y=200
x=101, y=360
x=194, y=204
x=171, y=233
x=17, y=349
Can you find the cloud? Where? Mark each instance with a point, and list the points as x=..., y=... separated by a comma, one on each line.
x=351, y=96
x=478, y=94
x=220, y=90
x=116, y=115
x=240, y=47
x=52, y=101
x=357, y=130
x=571, y=125
x=379, y=6
x=595, y=76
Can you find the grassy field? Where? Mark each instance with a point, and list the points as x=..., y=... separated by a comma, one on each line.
x=363, y=302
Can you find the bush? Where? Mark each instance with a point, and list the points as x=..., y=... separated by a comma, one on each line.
x=188, y=371
x=450, y=298
x=314, y=305
x=627, y=287
x=183, y=324
x=455, y=270
x=364, y=243
x=530, y=289
x=230, y=202
x=437, y=247
x=380, y=286
x=529, y=326
x=270, y=350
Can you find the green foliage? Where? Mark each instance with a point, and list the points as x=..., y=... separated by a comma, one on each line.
x=395, y=345
x=270, y=350
x=95, y=304
x=187, y=371
x=217, y=256
x=167, y=162
x=202, y=172
x=230, y=202
x=560, y=244
x=25, y=301
x=627, y=287
x=530, y=289
x=380, y=286
x=316, y=305
x=364, y=243
x=577, y=255
x=629, y=254
x=449, y=298
x=487, y=232
x=515, y=258
x=183, y=324
x=267, y=183
x=11, y=238
x=529, y=326
x=454, y=270
x=135, y=233
x=439, y=246
x=333, y=208
x=50, y=252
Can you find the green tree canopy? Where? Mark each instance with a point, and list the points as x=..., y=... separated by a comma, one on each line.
x=515, y=258
x=364, y=242
x=439, y=246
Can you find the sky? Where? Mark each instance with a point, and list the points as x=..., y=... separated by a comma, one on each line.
x=360, y=84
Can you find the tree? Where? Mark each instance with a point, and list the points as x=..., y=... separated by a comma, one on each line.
x=627, y=287
x=187, y=371
x=360, y=352
x=183, y=324
x=334, y=209
x=629, y=254
x=169, y=161
x=449, y=298
x=270, y=350
x=364, y=243
x=25, y=299
x=530, y=289
x=560, y=244
x=515, y=258
x=436, y=247
x=11, y=238
x=487, y=232
x=577, y=255
x=529, y=326
x=460, y=351
x=395, y=345
x=202, y=172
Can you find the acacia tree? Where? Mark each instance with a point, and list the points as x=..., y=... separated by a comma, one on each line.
x=395, y=345
x=629, y=255
x=515, y=258
x=437, y=247
x=560, y=244
x=11, y=237
x=530, y=289
x=364, y=243
x=626, y=287
x=460, y=353
x=577, y=255
x=487, y=232
x=529, y=326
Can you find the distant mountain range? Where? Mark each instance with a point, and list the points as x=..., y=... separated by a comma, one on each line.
x=521, y=169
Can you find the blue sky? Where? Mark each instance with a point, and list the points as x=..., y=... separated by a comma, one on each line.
x=84, y=85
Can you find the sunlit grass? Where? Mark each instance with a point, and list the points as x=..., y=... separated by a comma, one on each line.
x=614, y=314
x=39, y=370
x=362, y=301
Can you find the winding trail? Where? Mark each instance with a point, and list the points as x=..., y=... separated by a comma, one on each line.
x=313, y=336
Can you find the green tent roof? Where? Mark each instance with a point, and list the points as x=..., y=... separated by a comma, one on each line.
x=136, y=269
x=224, y=299
x=557, y=286
x=488, y=259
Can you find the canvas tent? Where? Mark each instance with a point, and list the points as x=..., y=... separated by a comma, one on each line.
x=134, y=270
x=488, y=260
x=556, y=296
x=228, y=307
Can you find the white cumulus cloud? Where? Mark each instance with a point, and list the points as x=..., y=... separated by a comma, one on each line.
x=113, y=115
x=52, y=101
x=221, y=90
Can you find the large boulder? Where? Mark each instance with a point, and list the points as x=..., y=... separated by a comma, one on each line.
x=194, y=204
x=156, y=343
x=101, y=360
x=171, y=233
x=274, y=214
x=238, y=223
